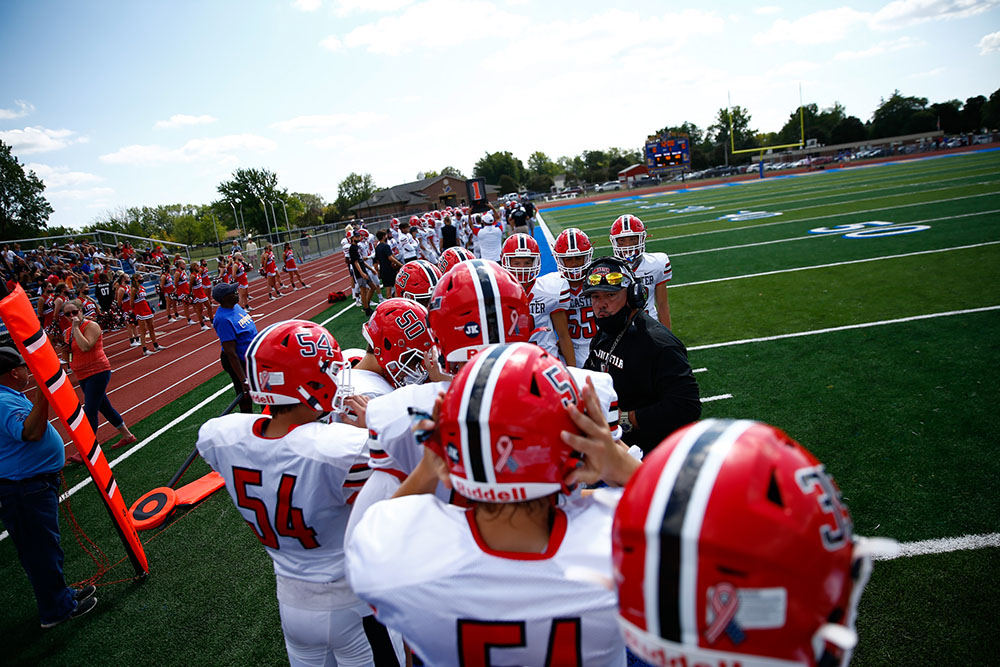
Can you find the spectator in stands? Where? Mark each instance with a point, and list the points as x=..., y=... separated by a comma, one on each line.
x=236, y=330
x=84, y=352
x=31, y=456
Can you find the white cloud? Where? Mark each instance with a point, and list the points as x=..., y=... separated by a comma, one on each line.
x=219, y=150
x=39, y=139
x=61, y=177
x=422, y=26
x=319, y=122
x=822, y=27
x=989, y=44
x=901, y=13
x=345, y=7
x=928, y=74
x=793, y=69
x=332, y=43
x=82, y=194
x=881, y=48
x=184, y=120
x=614, y=40
x=768, y=9
x=307, y=5
x=23, y=109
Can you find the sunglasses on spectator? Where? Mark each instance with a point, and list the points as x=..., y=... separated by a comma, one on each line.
x=71, y=313
x=614, y=279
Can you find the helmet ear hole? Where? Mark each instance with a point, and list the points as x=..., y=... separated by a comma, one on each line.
x=773, y=492
x=534, y=387
x=314, y=385
x=386, y=344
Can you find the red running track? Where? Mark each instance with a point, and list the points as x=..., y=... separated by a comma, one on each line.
x=142, y=385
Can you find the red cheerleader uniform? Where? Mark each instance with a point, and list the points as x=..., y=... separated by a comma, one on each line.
x=270, y=266
x=241, y=276
x=141, y=306
x=290, y=260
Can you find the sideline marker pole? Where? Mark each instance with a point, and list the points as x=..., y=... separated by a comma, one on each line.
x=26, y=332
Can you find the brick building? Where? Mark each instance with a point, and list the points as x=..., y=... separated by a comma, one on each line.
x=416, y=197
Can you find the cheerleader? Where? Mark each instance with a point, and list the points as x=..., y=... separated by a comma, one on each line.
x=291, y=269
x=183, y=288
x=206, y=285
x=269, y=267
x=238, y=269
x=168, y=290
x=143, y=315
x=124, y=301
x=198, y=296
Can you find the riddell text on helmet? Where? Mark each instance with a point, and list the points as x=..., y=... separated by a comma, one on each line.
x=516, y=494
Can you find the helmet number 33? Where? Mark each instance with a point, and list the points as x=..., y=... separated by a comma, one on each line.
x=815, y=477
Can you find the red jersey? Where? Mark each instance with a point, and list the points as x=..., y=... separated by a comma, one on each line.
x=290, y=260
x=269, y=264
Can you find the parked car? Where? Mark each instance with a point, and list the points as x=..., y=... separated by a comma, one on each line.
x=607, y=186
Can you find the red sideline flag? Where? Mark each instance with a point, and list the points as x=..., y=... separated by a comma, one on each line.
x=22, y=323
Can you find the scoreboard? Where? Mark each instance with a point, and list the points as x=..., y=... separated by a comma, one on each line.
x=667, y=152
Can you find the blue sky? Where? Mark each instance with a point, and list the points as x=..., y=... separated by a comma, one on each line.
x=137, y=103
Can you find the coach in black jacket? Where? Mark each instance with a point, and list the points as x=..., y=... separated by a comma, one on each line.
x=657, y=392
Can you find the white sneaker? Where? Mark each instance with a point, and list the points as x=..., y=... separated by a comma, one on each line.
x=204, y=327
x=146, y=352
x=134, y=343
x=190, y=321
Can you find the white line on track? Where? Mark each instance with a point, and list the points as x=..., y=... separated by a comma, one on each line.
x=832, y=264
x=863, y=325
x=944, y=545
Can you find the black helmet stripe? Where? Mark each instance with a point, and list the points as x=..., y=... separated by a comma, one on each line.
x=489, y=301
x=474, y=416
x=690, y=485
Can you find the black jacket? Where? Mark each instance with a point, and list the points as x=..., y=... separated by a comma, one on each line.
x=651, y=375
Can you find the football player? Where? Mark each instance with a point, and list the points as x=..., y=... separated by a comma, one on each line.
x=520, y=255
x=573, y=252
x=416, y=281
x=487, y=583
x=293, y=481
x=732, y=545
x=628, y=240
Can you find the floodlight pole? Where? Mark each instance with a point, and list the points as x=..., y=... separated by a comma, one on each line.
x=264, y=206
x=276, y=232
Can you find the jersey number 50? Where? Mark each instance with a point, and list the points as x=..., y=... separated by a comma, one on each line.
x=477, y=638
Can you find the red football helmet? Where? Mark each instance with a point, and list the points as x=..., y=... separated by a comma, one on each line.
x=452, y=256
x=416, y=281
x=477, y=303
x=394, y=223
x=414, y=221
x=397, y=332
x=571, y=243
x=625, y=227
x=521, y=245
x=296, y=362
x=732, y=543
x=436, y=214
x=500, y=423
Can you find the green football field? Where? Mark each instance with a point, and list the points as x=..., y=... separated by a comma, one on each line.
x=874, y=345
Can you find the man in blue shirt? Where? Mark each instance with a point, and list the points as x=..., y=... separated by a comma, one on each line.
x=31, y=456
x=235, y=329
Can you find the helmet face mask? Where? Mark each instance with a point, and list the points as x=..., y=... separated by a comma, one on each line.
x=398, y=335
x=573, y=244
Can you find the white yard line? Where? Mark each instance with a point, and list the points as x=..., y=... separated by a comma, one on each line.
x=944, y=545
x=832, y=264
x=719, y=397
x=863, y=325
x=819, y=236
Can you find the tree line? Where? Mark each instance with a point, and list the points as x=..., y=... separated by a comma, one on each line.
x=252, y=198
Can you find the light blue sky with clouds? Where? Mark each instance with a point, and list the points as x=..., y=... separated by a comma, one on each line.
x=139, y=103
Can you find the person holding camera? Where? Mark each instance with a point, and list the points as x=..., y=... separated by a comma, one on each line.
x=657, y=392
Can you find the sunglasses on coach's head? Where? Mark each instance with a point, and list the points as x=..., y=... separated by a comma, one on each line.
x=614, y=279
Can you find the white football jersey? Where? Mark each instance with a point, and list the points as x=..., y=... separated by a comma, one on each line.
x=345, y=245
x=391, y=443
x=490, y=242
x=424, y=567
x=294, y=491
x=582, y=325
x=408, y=247
x=606, y=394
x=545, y=298
x=653, y=269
